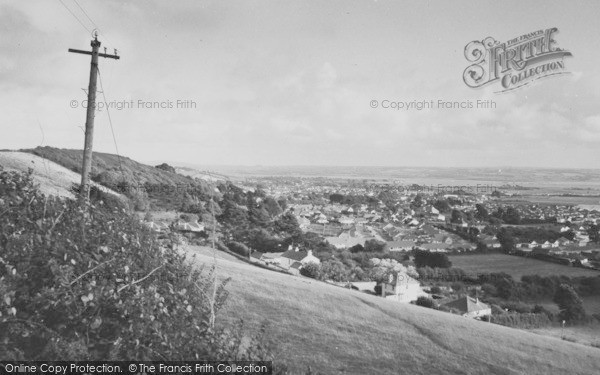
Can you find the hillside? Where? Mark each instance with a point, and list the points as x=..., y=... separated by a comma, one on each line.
x=340, y=331
x=53, y=179
x=103, y=163
x=165, y=189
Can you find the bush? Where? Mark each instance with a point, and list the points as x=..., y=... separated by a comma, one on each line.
x=436, y=290
x=239, y=248
x=425, y=302
x=96, y=285
x=312, y=270
x=522, y=320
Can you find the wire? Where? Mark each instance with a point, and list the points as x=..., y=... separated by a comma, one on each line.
x=92, y=21
x=77, y=18
x=112, y=129
x=84, y=12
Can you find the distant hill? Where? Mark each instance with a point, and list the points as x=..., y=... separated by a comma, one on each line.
x=202, y=175
x=165, y=189
x=340, y=331
x=53, y=179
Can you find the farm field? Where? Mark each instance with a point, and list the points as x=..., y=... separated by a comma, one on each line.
x=515, y=266
x=339, y=331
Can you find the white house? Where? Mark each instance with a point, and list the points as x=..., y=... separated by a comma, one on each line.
x=402, y=288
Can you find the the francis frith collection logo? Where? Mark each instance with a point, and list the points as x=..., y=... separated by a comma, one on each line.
x=514, y=63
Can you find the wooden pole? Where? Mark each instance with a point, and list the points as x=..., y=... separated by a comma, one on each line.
x=86, y=167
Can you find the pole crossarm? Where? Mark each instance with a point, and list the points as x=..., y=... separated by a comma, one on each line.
x=116, y=57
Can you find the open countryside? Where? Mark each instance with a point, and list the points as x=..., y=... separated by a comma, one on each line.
x=515, y=266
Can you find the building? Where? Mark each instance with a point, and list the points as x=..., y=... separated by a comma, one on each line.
x=401, y=287
x=470, y=307
x=399, y=245
x=287, y=259
x=192, y=226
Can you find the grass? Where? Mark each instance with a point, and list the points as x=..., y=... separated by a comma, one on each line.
x=340, y=331
x=587, y=335
x=52, y=178
x=515, y=266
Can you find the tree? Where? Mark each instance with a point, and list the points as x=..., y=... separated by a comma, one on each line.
x=166, y=167
x=506, y=240
x=482, y=212
x=442, y=205
x=287, y=224
x=457, y=216
x=569, y=303
x=311, y=270
x=594, y=232
x=512, y=216
x=425, y=258
x=357, y=248
x=417, y=202
x=374, y=246
x=383, y=268
x=272, y=206
x=336, y=198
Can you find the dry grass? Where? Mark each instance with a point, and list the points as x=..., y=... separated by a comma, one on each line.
x=515, y=266
x=338, y=330
x=53, y=179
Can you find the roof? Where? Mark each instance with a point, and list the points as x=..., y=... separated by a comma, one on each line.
x=402, y=243
x=256, y=254
x=467, y=304
x=295, y=255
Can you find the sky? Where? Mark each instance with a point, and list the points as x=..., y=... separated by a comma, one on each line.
x=295, y=82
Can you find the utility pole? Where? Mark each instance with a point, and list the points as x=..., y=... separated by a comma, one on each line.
x=86, y=168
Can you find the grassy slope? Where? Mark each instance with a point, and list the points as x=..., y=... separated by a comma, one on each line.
x=337, y=330
x=103, y=162
x=515, y=266
x=53, y=179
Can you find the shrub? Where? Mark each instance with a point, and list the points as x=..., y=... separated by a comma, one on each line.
x=311, y=270
x=96, y=285
x=436, y=289
x=521, y=320
x=425, y=302
x=239, y=248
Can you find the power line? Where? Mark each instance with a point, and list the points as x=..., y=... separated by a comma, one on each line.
x=91, y=20
x=84, y=12
x=77, y=18
x=111, y=126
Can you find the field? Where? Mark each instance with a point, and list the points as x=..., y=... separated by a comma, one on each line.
x=515, y=266
x=340, y=331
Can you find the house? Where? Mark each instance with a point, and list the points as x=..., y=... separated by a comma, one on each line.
x=192, y=226
x=470, y=307
x=157, y=226
x=271, y=258
x=401, y=287
x=399, y=245
x=435, y=247
x=287, y=259
x=346, y=239
x=491, y=243
x=256, y=256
